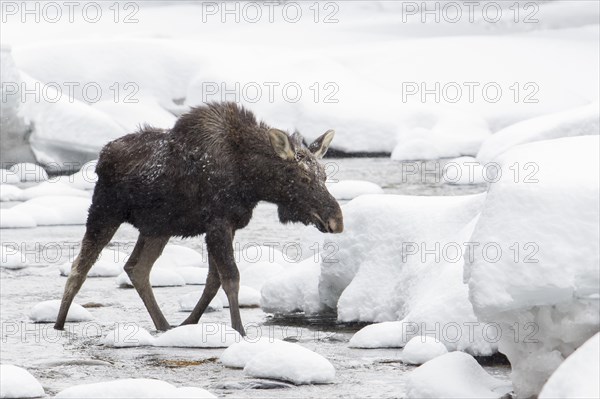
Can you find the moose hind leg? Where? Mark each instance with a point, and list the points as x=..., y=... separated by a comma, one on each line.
x=94, y=240
x=138, y=267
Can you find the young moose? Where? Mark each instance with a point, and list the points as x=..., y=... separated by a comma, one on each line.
x=205, y=176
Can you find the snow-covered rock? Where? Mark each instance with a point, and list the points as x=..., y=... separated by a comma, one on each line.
x=417, y=281
x=577, y=376
x=239, y=354
x=16, y=382
x=388, y=334
x=54, y=188
x=202, y=335
x=110, y=263
x=349, y=189
x=131, y=388
x=422, y=349
x=174, y=255
x=189, y=301
x=293, y=363
x=84, y=179
x=9, y=177
x=248, y=297
x=132, y=115
x=13, y=219
x=253, y=254
x=128, y=335
x=467, y=170
x=8, y=192
x=454, y=375
x=51, y=210
x=29, y=172
x=255, y=275
x=539, y=284
x=574, y=122
x=12, y=258
x=192, y=275
x=294, y=290
x=158, y=278
x=47, y=312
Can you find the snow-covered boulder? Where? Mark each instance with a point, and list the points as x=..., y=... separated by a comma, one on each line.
x=9, y=177
x=579, y=121
x=416, y=281
x=293, y=363
x=202, y=335
x=29, y=172
x=8, y=192
x=13, y=219
x=422, y=349
x=84, y=179
x=192, y=275
x=16, y=382
x=577, y=376
x=12, y=258
x=110, y=263
x=248, y=297
x=350, y=189
x=454, y=375
x=239, y=354
x=257, y=274
x=189, y=301
x=52, y=210
x=294, y=290
x=174, y=255
x=158, y=278
x=132, y=388
x=538, y=286
x=128, y=335
x=47, y=312
x=52, y=188
x=467, y=170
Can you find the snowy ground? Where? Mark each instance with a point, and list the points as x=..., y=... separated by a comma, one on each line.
x=59, y=361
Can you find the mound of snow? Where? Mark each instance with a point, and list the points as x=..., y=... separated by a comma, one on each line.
x=202, y=335
x=29, y=172
x=16, y=382
x=131, y=388
x=47, y=312
x=84, y=179
x=546, y=281
x=55, y=210
x=417, y=281
x=467, y=170
x=128, y=335
x=248, y=297
x=294, y=290
x=453, y=375
x=9, y=177
x=577, y=376
x=293, y=363
x=239, y=354
x=8, y=192
x=133, y=115
x=110, y=263
x=574, y=122
x=12, y=219
x=255, y=275
x=253, y=254
x=12, y=258
x=192, y=275
x=422, y=349
x=189, y=301
x=158, y=278
x=350, y=189
x=55, y=188
x=389, y=334
x=179, y=256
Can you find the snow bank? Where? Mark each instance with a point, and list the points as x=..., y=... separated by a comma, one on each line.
x=29, y=172
x=543, y=299
x=577, y=376
x=131, y=388
x=349, y=189
x=294, y=290
x=52, y=188
x=574, y=122
x=203, y=335
x=84, y=179
x=257, y=274
x=417, y=282
x=422, y=349
x=50, y=210
x=12, y=258
x=47, y=312
x=189, y=301
x=110, y=263
x=467, y=170
x=248, y=297
x=192, y=275
x=128, y=335
x=9, y=177
x=11, y=219
x=453, y=375
x=16, y=382
x=147, y=111
x=179, y=256
x=158, y=278
x=8, y=192
x=293, y=363
x=239, y=354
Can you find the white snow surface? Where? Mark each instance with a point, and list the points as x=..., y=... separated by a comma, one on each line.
x=174, y=255
x=128, y=335
x=52, y=188
x=453, y=375
x=29, y=172
x=158, y=278
x=9, y=177
x=192, y=275
x=551, y=292
x=11, y=219
x=422, y=349
x=110, y=263
x=46, y=211
x=293, y=363
x=239, y=354
x=9, y=192
x=202, y=335
x=47, y=312
x=467, y=170
x=248, y=297
x=132, y=388
x=350, y=189
x=188, y=301
x=577, y=376
x=12, y=258
x=131, y=116
x=255, y=275
x=16, y=382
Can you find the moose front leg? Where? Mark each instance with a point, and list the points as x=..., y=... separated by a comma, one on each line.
x=220, y=249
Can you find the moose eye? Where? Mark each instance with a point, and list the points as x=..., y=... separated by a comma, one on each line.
x=305, y=179
x=300, y=156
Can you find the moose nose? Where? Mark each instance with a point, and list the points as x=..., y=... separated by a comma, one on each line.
x=336, y=224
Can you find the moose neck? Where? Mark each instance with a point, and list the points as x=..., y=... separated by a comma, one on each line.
x=267, y=182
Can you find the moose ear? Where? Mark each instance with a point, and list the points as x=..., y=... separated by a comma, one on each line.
x=280, y=142
x=320, y=146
